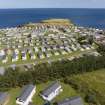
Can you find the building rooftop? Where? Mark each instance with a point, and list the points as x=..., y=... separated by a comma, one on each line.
x=2, y=70
x=50, y=88
x=3, y=97
x=26, y=92
x=71, y=101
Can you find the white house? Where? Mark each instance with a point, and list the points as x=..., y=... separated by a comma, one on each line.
x=32, y=55
x=36, y=49
x=51, y=91
x=24, y=57
x=15, y=57
x=63, y=52
x=41, y=56
x=68, y=49
x=5, y=59
x=43, y=49
x=56, y=53
x=48, y=54
x=26, y=95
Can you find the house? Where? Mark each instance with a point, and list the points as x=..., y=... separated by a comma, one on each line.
x=68, y=49
x=43, y=49
x=24, y=57
x=63, y=52
x=4, y=59
x=41, y=55
x=13, y=66
x=26, y=95
x=2, y=54
x=56, y=53
x=61, y=47
x=1, y=57
x=14, y=57
x=71, y=101
x=32, y=55
x=73, y=47
x=4, y=98
x=82, y=49
x=54, y=47
x=48, y=48
x=2, y=70
x=51, y=91
x=86, y=47
x=36, y=49
x=16, y=51
x=48, y=54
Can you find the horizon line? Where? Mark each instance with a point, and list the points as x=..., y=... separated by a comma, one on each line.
x=53, y=8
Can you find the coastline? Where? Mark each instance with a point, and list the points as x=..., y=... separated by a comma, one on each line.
x=80, y=17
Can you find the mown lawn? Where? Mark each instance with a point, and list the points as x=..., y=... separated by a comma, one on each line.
x=37, y=100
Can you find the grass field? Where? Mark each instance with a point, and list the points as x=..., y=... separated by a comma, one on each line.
x=57, y=21
x=94, y=82
x=37, y=100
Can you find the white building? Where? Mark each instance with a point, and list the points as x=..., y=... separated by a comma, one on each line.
x=5, y=59
x=26, y=95
x=63, y=52
x=24, y=57
x=36, y=49
x=32, y=55
x=15, y=57
x=41, y=56
x=56, y=53
x=51, y=91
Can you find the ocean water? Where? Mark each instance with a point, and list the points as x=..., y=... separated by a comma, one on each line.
x=81, y=17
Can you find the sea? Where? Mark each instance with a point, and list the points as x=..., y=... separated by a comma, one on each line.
x=94, y=18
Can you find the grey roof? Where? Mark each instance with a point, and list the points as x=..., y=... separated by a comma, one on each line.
x=51, y=88
x=2, y=70
x=26, y=91
x=14, y=55
x=71, y=101
x=13, y=66
x=23, y=54
x=3, y=97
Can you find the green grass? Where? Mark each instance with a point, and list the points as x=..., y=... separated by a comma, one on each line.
x=37, y=100
x=13, y=94
x=95, y=80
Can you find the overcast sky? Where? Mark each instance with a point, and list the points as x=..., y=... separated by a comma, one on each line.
x=52, y=3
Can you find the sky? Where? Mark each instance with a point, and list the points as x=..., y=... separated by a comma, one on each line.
x=52, y=3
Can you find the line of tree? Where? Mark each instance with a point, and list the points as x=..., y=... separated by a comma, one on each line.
x=45, y=72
